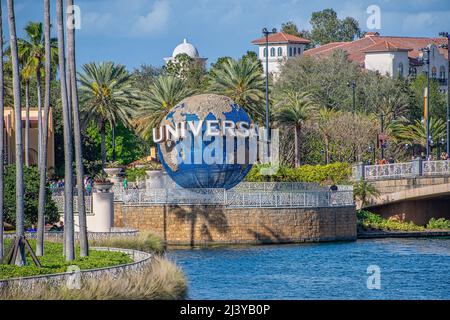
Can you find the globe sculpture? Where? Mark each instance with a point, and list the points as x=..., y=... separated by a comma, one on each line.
x=203, y=174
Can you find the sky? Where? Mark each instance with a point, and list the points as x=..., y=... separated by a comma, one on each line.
x=135, y=32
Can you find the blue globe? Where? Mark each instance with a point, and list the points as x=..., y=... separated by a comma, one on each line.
x=201, y=174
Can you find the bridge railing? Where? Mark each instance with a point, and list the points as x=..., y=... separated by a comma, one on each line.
x=415, y=168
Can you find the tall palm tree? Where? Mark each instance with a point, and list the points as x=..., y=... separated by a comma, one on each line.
x=242, y=81
x=43, y=158
x=292, y=110
x=26, y=79
x=163, y=95
x=32, y=54
x=84, y=248
x=68, y=157
x=20, y=261
x=2, y=107
x=107, y=96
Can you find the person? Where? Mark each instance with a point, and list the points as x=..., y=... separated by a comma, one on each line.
x=54, y=228
x=391, y=160
x=125, y=183
x=333, y=187
x=61, y=226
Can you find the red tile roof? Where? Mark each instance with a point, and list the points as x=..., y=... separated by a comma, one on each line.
x=373, y=42
x=281, y=37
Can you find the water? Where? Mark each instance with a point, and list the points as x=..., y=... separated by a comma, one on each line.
x=410, y=269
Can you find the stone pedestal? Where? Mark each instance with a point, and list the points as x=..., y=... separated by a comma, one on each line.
x=102, y=219
x=156, y=179
x=114, y=175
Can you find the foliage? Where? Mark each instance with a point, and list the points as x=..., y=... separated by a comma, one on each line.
x=134, y=174
x=188, y=69
x=162, y=279
x=438, y=103
x=369, y=220
x=101, y=177
x=145, y=241
x=144, y=76
x=440, y=223
x=31, y=179
x=291, y=28
x=337, y=173
x=363, y=190
x=242, y=81
x=54, y=262
x=164, y=94
x=415, y=133
x=326, y=27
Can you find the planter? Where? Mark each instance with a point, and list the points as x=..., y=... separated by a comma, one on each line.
x=112, y=172
x=103, y=186
x=156, y=179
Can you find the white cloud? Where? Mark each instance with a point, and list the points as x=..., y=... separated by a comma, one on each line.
x=155, y=21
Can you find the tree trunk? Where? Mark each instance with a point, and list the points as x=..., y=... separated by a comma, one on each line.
x=43, y=158
x=20, y=261
x=297, y=145
x=103, y=143
x=39, y=117
x=27, y=123
x=2, y=107
x=113, y=143
x=84, y=246
x=68, y=173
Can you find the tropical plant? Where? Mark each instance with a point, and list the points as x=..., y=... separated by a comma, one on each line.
x=322, y=121
x=440, y=223
x=69, y=246
x=2, y=107
x=292, y=110
x=415, y=133
x=21, y=260
x=369, y=220
x=242, y=81
x=363, y=191
x=107, y=95
x=164, y=94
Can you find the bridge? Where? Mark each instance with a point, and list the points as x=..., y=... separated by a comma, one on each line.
x=411, y=191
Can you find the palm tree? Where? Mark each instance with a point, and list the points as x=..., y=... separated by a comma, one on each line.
x=20, y=261
x=107, y=96
x=363, y=191
x=26, y=78
x=43, y=158
x=68, y=158
x=31, y=54
x=2, y=107
x=242, y=81
x=416, y=133
x=164, y=94
x=292, y=110
x=84, y=248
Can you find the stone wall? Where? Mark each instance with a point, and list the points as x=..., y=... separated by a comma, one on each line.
x=396, y=185
x=211, y=224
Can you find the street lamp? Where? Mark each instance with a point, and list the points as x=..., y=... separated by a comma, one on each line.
x=372, y=149
x=427, y=61
x=266, y=35
x=446, y=46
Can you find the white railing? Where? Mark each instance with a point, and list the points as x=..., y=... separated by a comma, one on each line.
x=386, y=171
x=236, y=198
x=431, y=168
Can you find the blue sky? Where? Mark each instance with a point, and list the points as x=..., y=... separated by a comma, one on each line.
x=133, y=32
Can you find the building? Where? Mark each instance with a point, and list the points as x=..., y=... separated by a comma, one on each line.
x=282, y=46
x=393, y=56
x=10, y=140
x=189, y=49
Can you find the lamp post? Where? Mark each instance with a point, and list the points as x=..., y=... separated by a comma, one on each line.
x=447, y=35
x=372, y=149
x=266, y=35
x=427, y=61
x=352, y=85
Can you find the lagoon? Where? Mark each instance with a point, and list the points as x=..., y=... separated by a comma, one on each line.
x=409, y=269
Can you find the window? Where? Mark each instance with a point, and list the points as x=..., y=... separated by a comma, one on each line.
x=433, y=72
x=272, y=52
x=290, y=51
x=295, y=51
x=400, y=70
x=442, y=72
x=265, y=52
x=280, y=51
x=413, y=72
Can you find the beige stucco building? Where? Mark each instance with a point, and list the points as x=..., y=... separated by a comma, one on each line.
x=10, y=141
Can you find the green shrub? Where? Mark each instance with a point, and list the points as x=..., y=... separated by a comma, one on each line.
x=338, y=173
x=31, y=179
x=54, y=262
x=369, y=220
x=134, y=174
x=440, y=223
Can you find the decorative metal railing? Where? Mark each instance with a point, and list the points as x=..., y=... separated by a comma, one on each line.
x=384, y=171
x=431, y=168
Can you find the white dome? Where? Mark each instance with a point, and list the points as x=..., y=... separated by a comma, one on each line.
x=186, y=48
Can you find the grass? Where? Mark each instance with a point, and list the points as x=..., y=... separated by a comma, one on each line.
x=161, y=279
x=54, y=262
x=144, y=241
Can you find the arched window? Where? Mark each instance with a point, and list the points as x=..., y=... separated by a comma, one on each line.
x=295, y=51
x=265, y=52
x=433, y=72
x=400, y=70
x=290, y=51
x=280, y=51
x=442, y=72
x=272, y=52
